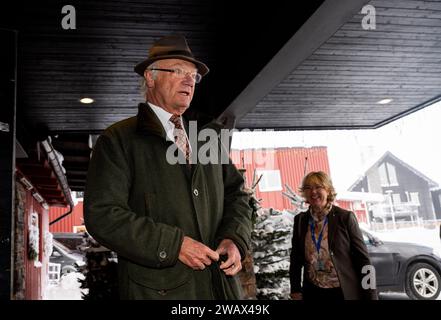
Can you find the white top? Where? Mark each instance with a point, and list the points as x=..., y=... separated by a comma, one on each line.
x=164, y=118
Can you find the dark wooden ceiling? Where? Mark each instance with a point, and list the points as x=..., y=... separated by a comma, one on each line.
x=58, y=67
x=278, y=64
x=338, y=82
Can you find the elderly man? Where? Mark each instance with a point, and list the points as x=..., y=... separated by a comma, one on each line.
x=180, y=229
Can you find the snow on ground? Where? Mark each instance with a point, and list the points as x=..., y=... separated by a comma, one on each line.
x=67, y=289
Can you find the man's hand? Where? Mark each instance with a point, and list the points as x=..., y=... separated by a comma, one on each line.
x=232, y=265
x=195, y=254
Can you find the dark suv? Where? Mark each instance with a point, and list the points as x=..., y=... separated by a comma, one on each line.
x=405, y=267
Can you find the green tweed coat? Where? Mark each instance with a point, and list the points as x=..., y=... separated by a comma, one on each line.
x=140, y=206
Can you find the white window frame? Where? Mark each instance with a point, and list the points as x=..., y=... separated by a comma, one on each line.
x=271, y=180
x=388, y=175
x=384, y=181
x=414, y=196
x=392, y=174
x=78, y=229
x=396, y=198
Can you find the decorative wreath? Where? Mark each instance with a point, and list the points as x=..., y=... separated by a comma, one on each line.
x=33, y=237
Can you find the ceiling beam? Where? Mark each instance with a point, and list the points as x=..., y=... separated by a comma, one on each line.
x=328, y=18
x=409, y=111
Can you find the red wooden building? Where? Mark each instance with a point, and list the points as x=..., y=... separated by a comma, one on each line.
x=73, y=222
x=280, y=167
x=285, y=166
x=31, y=256
x=40, y=183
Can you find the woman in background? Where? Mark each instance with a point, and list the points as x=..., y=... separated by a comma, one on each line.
x=328, y=244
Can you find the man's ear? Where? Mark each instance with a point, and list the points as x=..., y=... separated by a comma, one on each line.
x=149, y=81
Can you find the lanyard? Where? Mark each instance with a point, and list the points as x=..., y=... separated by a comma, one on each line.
x=318, y=242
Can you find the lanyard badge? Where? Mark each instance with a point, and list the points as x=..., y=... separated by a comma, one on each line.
x=319, y=265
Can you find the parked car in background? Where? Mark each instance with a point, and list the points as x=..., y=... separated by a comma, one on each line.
x=73, y=241
x=67, y=258
x=405, y=267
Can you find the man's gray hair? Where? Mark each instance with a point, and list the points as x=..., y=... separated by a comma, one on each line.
x=143, y=85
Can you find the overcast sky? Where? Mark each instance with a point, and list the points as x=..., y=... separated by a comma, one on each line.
x=415, y=139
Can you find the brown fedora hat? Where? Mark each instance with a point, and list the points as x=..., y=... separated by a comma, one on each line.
x=170, y=47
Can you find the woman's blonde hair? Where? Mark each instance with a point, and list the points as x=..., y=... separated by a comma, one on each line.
x=319, y=178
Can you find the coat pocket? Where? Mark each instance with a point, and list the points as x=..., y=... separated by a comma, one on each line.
x=160, y=279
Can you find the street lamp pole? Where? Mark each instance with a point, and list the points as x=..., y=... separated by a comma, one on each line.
x=392, y=212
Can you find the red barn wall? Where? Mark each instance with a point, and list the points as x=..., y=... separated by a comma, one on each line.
x=290, y=161
x=36, y=277
x=75, y=218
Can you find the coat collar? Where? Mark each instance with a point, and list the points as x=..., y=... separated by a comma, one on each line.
x=148, y=122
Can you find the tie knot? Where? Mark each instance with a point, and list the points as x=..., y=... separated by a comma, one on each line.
x=176, y=120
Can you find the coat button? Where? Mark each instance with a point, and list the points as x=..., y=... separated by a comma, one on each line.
x=163, y=255
x=162, y=292
x=196, y=192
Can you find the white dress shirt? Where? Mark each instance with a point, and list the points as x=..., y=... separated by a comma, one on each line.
x=164, y=117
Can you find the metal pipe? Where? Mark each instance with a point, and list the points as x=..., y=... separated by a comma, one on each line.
x=61, y=177
x=62, y=216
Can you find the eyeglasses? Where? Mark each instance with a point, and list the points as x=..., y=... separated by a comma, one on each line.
x=181, y=73
x=311, y=188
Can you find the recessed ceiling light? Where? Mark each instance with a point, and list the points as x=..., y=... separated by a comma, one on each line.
x=86, y=100
x=385, y=101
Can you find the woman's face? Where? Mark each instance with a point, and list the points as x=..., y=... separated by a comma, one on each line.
x=316, y=194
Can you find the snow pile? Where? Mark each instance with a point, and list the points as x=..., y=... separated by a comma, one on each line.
x=67, y=289
x=279, y=292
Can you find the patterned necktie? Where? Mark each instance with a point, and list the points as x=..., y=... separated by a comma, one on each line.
x=180, y=137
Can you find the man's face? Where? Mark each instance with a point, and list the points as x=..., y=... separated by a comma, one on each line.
x=168, y=90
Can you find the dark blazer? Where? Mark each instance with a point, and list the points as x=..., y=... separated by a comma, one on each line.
x=140, y=206
x=346, y=246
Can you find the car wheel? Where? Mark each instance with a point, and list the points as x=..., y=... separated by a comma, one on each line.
x=67, y=269
x=423, y=282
